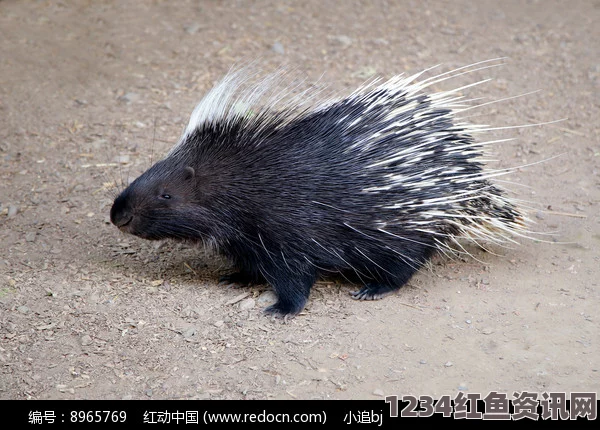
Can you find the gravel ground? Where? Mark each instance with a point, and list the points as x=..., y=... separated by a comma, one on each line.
x=92, y=92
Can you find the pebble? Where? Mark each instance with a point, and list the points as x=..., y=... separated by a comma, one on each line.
x=247, y=304
x=378, y=392
x=267, y=298
x=63, y=389
x=487, y=331
x=86, y=340
x=12, y=211
x=381, y=42
x=189, y=332
x=192, y=28
x=30, y=237
x=129, y=97
x=462, y=387
x=448, y=364
x=345, y=41
x=278, y=48
x=422, y=361
x=23, y=309
x=121, y=159
x=365, y=72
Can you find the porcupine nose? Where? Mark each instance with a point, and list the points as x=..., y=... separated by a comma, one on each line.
x=119, y=213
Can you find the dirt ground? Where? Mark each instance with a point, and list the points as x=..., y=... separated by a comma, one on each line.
x=91, y=92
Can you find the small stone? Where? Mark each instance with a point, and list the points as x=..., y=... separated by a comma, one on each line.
x=62, y=388
x=487, y=331
x=278, y=48
x=86, y=340
x=247, y=304
x=422, y=361
x=189, y=332
x=12, y=211
x=448, y=364
x=540, y=215
x=129, y=97
x=462, y=387
x=192, y=28
x=378, y=392
x=468, y=321
x=121, y=159
x=148, y=392
x=219, y=323
x=30, y=237
x=267, y=298
x=23, y=309
x=365, y=72
x=381, y=42
x=345, y=41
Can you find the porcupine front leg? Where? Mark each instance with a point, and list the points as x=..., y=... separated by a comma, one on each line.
x=242, y=278
x=292, y=288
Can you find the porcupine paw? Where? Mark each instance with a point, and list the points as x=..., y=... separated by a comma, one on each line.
x=373, y=292
x=239, y=279
x=280, y=311
x=284, y=310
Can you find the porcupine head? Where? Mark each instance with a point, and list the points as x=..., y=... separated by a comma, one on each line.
x=368, y=186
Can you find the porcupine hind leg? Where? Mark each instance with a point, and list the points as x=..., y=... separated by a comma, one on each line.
x=397, y=275
x=292, y=289
x=374, y=291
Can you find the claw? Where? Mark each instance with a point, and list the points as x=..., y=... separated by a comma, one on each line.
x=372, y=292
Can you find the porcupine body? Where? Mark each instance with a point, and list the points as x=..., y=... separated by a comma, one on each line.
x=369, y=185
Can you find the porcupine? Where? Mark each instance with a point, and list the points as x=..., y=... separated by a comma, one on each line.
x=369, y=185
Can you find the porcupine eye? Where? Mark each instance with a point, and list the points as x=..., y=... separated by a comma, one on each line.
x=166, y=198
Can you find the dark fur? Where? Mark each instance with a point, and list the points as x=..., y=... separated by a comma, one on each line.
x=286, y=203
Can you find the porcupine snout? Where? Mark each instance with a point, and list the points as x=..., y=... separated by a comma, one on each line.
x=120, y=213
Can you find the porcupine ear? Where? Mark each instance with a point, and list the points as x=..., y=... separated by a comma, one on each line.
x=188, y=173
